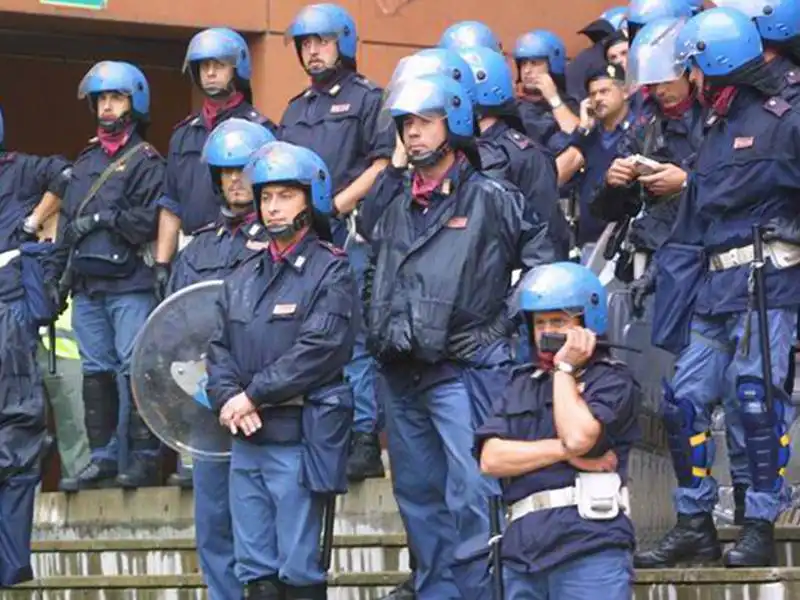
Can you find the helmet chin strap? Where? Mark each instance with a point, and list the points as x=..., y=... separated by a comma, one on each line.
x=428, y=159
x=286, y=232
x=115, y=125
x=219, y=93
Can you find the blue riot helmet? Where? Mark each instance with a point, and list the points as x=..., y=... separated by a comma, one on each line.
x=224, y=45
x=494, y=85
x=436, y=97
x=617, y=16
x=466, y=34
x=122, y=77
x=642, y=12
x=434, y=61
x=719, y=41
x=653, y=56
x=777, y=20
x=542, y=44
x=281, y=162
x=230, y=145
x=325, y=20
x=565, y=286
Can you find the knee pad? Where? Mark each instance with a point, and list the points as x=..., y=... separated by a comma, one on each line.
x=765, y=432
x=690, y=449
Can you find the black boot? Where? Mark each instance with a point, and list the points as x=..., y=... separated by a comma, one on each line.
x=265, y=589
x=181, y=479
x=755, y=547
x=307, y=592
x=693, y=541
x=404, y=591
x=365, y=457
x=143, y=470
x=739, y=494
x=101, y=412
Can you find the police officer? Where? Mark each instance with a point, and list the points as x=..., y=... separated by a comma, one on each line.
x=336, y=117
x=109, y=218
x=468, y=34
x=218, y=61
x=439, y=329
x=566, y=423
x=745, y=174
x=506, y=151
x=31, y=188
x=548, y=113
x=214, y=253
x=646, y=196
x=606, y=118
x=287, y=324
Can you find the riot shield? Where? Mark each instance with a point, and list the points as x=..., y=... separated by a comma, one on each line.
x=168, y=373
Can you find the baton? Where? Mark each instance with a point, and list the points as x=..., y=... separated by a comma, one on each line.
x=51, y=354
x=495, y=506
x=327, y=532
x=759, y=291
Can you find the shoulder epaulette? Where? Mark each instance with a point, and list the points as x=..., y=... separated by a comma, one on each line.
x=335, y=250
x=186, y=121
x=366, y=83
x=777, y=106
x=521, y=140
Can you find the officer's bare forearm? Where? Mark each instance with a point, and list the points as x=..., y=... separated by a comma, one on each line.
x=576, y=426
x=569, y=162
x=509, y=458
x=49, y=205
x=169, y=225
x=566, y=119
x=349, y=197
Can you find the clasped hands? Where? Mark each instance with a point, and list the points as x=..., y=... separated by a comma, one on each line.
x=240, y=414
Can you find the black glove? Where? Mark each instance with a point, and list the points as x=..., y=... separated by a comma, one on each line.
x=465, y=346
x=641, y=289
x=57, y=296
x=782, y=229
x=79, y=228
x=161, y=272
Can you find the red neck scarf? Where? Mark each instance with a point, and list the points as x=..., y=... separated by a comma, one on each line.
x=280, y=255
x=718, y=98
x=212, y=109
x=111, y=142
x=422, y=189
x=544, y=361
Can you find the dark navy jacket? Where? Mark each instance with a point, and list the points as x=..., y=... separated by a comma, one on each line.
x=284, y=330
x=511, y=155
x=215, y=252
x=340, y=123
x=547, y=538
x=128, y=200
x=542, y=127
x=665, y=140
x=599, y=149
x=188, y=190
x=446, y=268
x=23, y=181
x=747, y=172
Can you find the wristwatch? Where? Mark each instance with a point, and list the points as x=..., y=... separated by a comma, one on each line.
x=555, y=102
x=565, y=367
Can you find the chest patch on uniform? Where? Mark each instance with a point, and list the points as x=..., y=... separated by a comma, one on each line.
x=457, y=223
x=338, y=109
x=299, y=262
x=743, y=142
x=284, y=309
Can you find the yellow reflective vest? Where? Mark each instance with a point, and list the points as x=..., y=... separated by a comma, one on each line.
x=66, y=345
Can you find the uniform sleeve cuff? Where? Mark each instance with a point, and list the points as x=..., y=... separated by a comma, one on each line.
x=169, y=204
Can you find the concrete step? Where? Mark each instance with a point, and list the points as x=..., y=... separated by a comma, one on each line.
x=368, y=553
x=668, y=584
x=167, y=512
